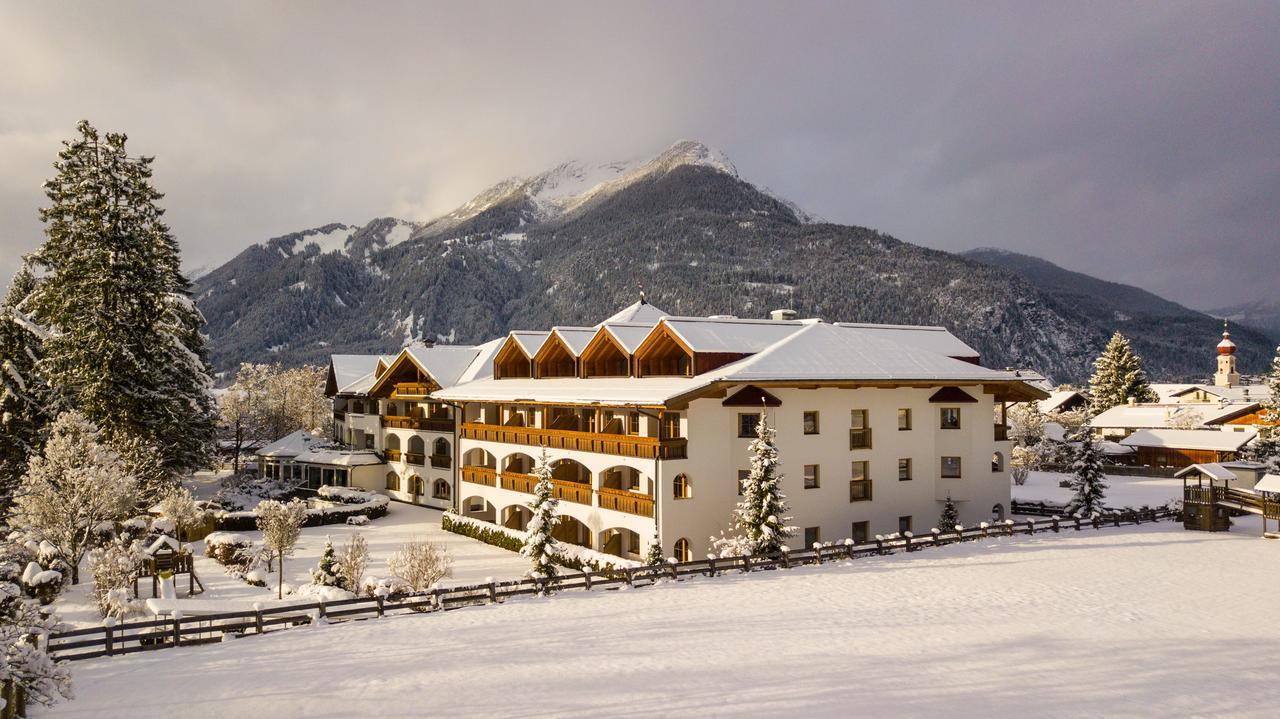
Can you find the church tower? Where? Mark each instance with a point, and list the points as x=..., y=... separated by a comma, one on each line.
x=1226, y=376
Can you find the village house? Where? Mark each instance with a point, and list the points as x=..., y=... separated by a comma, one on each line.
x=646, y=419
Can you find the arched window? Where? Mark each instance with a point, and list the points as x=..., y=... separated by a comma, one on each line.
x=997, y=462
x=419, y=486
x=393, y=481
x=440, y=489
x=393, y=442
x=683, y=553
x=683, y=488
x=997, y=512
x=416, y=445
x=440, y=447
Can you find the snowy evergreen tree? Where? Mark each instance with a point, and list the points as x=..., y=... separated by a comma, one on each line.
x=25, y=399
x=654, y=556
x=22, y=661
x=1088, y=481
x=759, y=521
x=326, y=575
x=123, y=342
x=1265, y=448
x=538, y=541
x=78, y=483
x=1117, y=377
x=950, y=516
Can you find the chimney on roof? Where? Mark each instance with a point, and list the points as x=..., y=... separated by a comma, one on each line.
x=782, y=315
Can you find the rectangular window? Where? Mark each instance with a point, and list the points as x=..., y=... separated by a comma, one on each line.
x=859, y=483
x=811, y=476
x=904, y=470
x=904, y=420
x=861, y=532
x=670, y=426
x=743, y=474
x=950, y=417
x=859, y=430
x=904, y=524
x=810, y=422
x=747, y=424
x=812, y=536
x=951, y=467
x=633, y=423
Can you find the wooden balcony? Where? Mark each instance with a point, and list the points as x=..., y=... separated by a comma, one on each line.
x=621, y=500
x=617, y=444
x=411, y=389
x=480, y=475
x=441, y=461
x=1002, y=432
x=393, y=455
x=424, y=424
x=576, y=492
x=415, y=458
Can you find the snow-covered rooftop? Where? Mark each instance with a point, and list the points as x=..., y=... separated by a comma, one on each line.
x=1236, y=393
x=349, y=368
x=360, y=386
x=706, y=334
x=339, y=457
x=1208, y=469
x=1157, y=416
x=629, y=334
x=640, y=312
x=1057, y=399
x=1268, y=483
x=445, y=363
x=932, y=339
x=576, y=338
x=529, y=341
x=1204, y=439
x=570, y=390
x=292, y=445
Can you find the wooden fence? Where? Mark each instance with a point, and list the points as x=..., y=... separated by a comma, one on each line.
x=111, y=639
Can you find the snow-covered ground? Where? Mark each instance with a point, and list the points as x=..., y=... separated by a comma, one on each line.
x=1138, y=621
x=1121, y=491
x=473, y=561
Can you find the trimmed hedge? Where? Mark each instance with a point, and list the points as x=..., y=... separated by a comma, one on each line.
x=374, y=508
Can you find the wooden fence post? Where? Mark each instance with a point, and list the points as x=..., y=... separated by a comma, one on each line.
x=879, y=544
x=321, y=615
x=493, y=591
x=786, y=557
x=1055, y=524
x=177, y=627
x=626, y=571
x=1031, y=526
x=711, y=565
x=848, y=548
x=675, y=570
x=746, y=563
x=907, y=536
x=586, y=579
x=959, y=530
x=382, y=600
x=257, y=616
x=1077, y=523
x=108, y=627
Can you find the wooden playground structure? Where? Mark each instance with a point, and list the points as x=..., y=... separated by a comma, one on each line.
x=1209, y=503
x=168, y=559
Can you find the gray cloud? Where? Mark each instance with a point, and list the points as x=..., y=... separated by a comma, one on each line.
x=1137, y=142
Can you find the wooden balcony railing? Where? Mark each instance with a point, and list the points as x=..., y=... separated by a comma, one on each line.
x=427, y=424
x=576, y=492
x=441, y=461
x=623, y=501
x=393, y=455
x=617, y=444
x=411, y=389
x=480, y=475
x=1002, y=432
x=415, y=458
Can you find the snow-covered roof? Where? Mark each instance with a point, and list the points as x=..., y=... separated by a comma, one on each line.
x=163, y=541
x=1114, y=449
x=482, y=366
x=291, y=445
x=1235, y=393
x=529, y=341
x=706, y=334
x=1268, y=483
x=1160, y=416
x=641, y=312
x=360, y=386
x=1055, y=432
x=628, y=334
x=1058, y=398
x=1204, y=439
x=1208, y=469
x=349, y=368
x=575, y=338
x=445, y=363
x=338, y=457
x=932, y=339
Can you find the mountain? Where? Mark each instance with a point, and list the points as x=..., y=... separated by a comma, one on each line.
x=1263, y=313
x=1159, y=329
x=572, y=245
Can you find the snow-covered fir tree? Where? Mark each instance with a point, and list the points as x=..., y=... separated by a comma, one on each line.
x=326, y=575
x=22, y=661
x=25, y=399
x=759, y=521
x=76, y=484
x=1265, y=448
x=123, y=342
x=950, y=516
x=654, y=556
x=538, y=541
x=1088, y=482
x=1117, y=377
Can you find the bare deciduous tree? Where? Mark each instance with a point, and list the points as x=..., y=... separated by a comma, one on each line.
x=281, y=523
x=421, y=564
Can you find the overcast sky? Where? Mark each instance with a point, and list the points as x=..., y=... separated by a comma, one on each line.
x=1136, y=142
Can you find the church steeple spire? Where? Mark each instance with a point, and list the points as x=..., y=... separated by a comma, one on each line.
x=1226, y=376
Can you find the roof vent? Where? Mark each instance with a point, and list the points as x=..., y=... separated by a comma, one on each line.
x=783, y=315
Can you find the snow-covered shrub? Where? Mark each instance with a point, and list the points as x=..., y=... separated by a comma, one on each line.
x=42, y=584
x=321, y=593
x=326, y=574
x=134, y=528
x=503, y=537
x=229, y=548
x=358, y=521
x=179, y=507
x=420, y=564
x=256, y=577
x=352, y=560
x=346, y=495
x=114, y=568
x=22, y=661
x=392, y=587
x=244, y=492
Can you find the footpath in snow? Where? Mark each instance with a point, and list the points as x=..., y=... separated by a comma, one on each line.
x=1115, y=622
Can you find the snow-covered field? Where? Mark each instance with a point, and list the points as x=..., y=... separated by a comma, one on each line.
x=473, y=561
x=1121, y=491
x=1139, y=621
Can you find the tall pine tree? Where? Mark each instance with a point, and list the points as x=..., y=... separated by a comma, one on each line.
x=26, y=403
x=950, y=516
x=1118, y=376
x=1089, y=482
x=538, y=541
x=759, y=521
x=124, y=343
